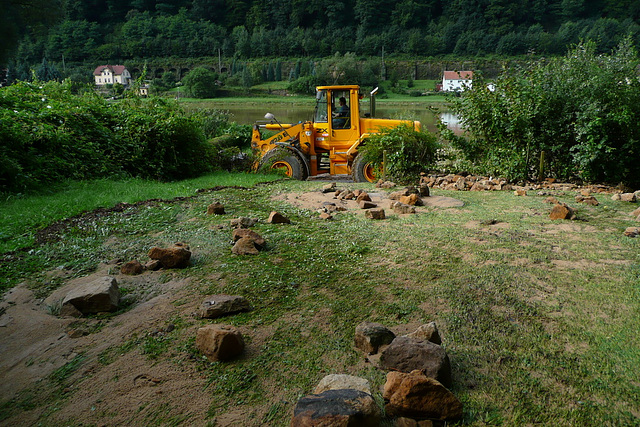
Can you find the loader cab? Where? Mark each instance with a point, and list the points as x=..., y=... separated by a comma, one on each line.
x=337, y=126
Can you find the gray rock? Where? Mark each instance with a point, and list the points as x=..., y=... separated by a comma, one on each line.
x=98, y=296
x=341, y=382
x=219, y=342
x=346, y=407
x=365, y=204
x=406, y=354
x=371, y=336
x=223, y=305
x=243, y=222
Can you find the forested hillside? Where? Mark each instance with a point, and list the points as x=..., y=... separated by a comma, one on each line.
x=116, y=30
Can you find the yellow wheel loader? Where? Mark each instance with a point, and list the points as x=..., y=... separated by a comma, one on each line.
x=329, y=143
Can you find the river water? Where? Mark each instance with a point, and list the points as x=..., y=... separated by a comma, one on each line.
x=287, y=112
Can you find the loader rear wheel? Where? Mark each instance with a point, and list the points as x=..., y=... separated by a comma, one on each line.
x=285, y=161
x=363, y=170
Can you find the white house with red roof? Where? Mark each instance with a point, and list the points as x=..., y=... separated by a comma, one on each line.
x=112, y=74
x=455, y=81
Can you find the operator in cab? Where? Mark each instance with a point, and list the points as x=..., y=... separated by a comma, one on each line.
x=341, y=114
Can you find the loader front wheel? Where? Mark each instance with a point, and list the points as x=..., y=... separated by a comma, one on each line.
x=363, y=170
x=285, y=161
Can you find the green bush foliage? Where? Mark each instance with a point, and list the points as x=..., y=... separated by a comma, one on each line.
x=408, y=152
x=47, y=134
x=200, y=83
x=581, y=109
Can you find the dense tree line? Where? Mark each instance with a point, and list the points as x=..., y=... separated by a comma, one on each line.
x=109, y=30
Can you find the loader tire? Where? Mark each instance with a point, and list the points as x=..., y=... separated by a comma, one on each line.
x=285, y=161
x=363, y=170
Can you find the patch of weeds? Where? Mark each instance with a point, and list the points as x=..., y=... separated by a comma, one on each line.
x=276, y=412
x=60, y=375
x=109, y=355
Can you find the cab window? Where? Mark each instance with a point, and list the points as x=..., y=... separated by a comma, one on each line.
x=321, y=107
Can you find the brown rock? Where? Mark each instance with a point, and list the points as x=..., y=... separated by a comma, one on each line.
x=406, y=354
x=216, y=208
x=363, y=196
x=428, y=332
x=326, y=216
x=245, y=246
x=153, y=265
x=628, y=197
x=364, y=204
x=371, y=336
x=177, y=256
x=335, y=408
x=615, y=197
x=328, y=188
x=589, y=200
x=561, y=211
x=243, y=222
x=374, y=213
x=520, y=192
x=223, y=305
x=132, y=268
x=401, y=208
x=410, y=422
x=411, y=199
x=240, y=233
x=632, y=232
x=219, y=342
x=415, y=395
x=424, y=190
x=278, y=218
x=98, y=296
x=635, y=213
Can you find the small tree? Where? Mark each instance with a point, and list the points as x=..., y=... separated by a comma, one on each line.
x=200, y=83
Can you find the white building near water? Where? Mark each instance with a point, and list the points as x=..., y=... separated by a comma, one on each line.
x=456, y=81
x=112, y=74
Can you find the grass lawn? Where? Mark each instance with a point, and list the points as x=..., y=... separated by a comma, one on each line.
x=539, y=317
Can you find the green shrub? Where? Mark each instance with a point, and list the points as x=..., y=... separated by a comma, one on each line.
x=581, y=109
x=408, y=152
x=48, y=135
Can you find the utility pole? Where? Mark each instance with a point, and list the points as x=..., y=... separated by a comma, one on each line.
x=383, y=69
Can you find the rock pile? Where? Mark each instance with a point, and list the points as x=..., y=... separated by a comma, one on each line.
x=414, y=391
x=465, y=182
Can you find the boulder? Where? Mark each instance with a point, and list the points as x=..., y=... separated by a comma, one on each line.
x=371, y=336
x=245, y=246
x=520, y=192
x=401, y=208
x=364, y=204
x=589, y=200
x=615, y=197
x=243, y=222
x=561, y=211
x=416, y=395
x=326, y=216
x=98, y=296
x=240, y=233
x=632, y=232
x=132, y=268
x=153, y=265
x=177, y=256
x=278, y=218
x=374, y=213
x=219, y=342
x=411, y=199
x=551, y=200
x=329, y=188
x=363, y=196
x=628, y=197
x=428, y=332
x=424, y=190
x=216, y=208
x=223, y=305
x=410, y=422
x=385, y=184
x=407, y=354
x=341, y=382
x=346, y=407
